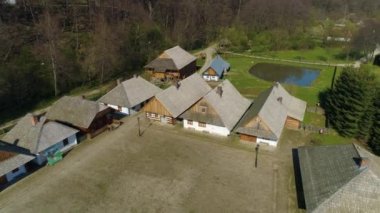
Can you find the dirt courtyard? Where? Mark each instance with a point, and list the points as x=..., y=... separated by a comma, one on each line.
x=168, y=169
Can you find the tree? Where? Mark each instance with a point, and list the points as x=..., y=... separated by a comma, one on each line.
x=366, y=39
x=374, y=141
x=349, y=105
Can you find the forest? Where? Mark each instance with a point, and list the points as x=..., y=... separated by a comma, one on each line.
x=49, y=47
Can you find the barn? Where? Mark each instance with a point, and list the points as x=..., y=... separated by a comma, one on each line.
x=129, y=97
x=167, y=105
x=218, y=112
x=217, y=69
x=89, y=117
x=174, y=63
x=33, y=139
x=274, y=109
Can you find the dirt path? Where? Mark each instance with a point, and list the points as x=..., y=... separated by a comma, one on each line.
x=209, y=51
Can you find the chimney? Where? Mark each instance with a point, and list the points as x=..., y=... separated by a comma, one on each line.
x=279, y=99
x=363, y=163
x=177, y=85
x=34, y=120
x=219, y=90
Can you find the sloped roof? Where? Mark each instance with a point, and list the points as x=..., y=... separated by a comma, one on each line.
x=230, y=107
x=75, y=110
x=295, y=107
x=219, y=65
x=361, y=193
x=161, y=64
x=39, y=137
x=272, y=106
x=174, y=58
x=191, y=89
x=33, y=138
x=180, y=57
x=130, y=93
x=333, y=181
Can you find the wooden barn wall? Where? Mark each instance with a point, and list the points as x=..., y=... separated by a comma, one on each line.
x=292, y=123
x=154, y=106
x=249, y=138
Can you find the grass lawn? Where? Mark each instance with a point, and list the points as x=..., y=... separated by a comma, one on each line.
x=318, y=54
x=251, y=86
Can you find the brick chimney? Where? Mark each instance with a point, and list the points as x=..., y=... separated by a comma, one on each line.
x=219, y=91
x=363, y=163
x=34, y=120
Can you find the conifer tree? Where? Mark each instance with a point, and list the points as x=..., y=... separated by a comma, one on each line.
x=374, y=141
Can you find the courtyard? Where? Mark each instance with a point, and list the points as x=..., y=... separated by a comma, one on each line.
x=167, y=169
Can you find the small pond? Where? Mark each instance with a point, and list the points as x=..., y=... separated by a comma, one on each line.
x=300, y=76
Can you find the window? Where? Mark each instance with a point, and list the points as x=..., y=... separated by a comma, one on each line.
x=203, y=109
x=190, y=122
x=200, y=124
x=65, y=142
x=15, y=170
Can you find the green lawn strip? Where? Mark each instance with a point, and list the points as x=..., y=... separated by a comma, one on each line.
x=318, y=54
x=330, y=139
x=314, y=119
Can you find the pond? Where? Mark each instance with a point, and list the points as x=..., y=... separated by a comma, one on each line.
x=300, y=76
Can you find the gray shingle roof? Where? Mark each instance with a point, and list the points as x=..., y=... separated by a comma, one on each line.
x=35, y=138
x=230, y=107
x=177, y=59
x=75, y=110
x=272, y=106
x=191, y=89
x=181, y=57
x=130, y=93
x=333, y=182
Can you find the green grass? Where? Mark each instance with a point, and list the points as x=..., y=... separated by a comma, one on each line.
x=330, y=139
x=318, y=54
x=314, y=119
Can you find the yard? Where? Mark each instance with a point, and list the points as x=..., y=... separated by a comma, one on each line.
x=168, y=169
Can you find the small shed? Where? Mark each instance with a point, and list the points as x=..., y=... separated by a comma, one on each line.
x=217, y=69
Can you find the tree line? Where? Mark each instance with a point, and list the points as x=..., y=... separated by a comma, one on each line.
x=49, y=47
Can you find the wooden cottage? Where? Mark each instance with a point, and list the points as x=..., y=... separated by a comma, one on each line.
x=174, y=63
x=32, y=139
x=130, y=96
x=217, y=69
x=274, y=109
x=218, y=112
x=89, y=117
x=167, y=105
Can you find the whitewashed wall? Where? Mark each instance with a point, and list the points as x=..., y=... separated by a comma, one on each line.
x=11, y=175
x=210, y=78
x=270, y=142
x=218, y=130
x=124, y=110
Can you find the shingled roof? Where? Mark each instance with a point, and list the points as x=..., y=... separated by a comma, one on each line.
x=130, y=93
x=33, y=138
x=272, y=106
x=190, y=90
x=75, y=110
x=230, y=106
x=174, y=58
x=219, y=65
x=334, y=181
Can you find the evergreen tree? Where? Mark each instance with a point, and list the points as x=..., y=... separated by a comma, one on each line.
x=374, y=141
x=349, y=105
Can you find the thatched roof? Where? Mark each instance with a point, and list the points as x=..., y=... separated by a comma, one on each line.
x=333, y=180
x=130, y=93
x=230, y=107
x=273, y=106
x=190, y=90
x=76, y=111
x=174, y=58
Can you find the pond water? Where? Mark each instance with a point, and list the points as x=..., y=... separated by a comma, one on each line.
x=300, y=76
